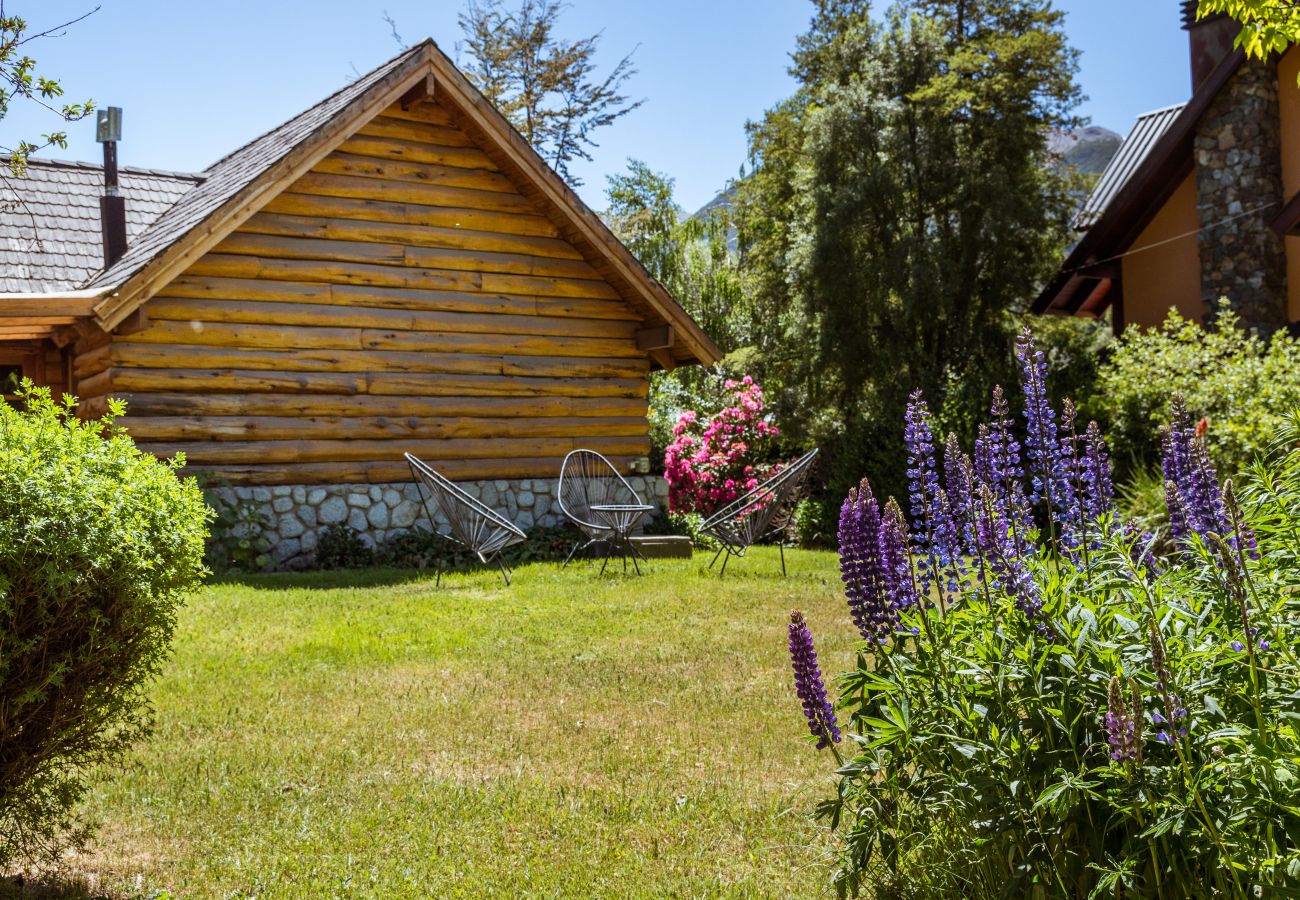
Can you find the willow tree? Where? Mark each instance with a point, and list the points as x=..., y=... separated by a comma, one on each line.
x=903, y=207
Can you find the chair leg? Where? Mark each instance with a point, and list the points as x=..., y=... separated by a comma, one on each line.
x=714, y=561
x=437, y=581
x=576, y=546
x=725, y=560
x=505, y=573
x=782, y=546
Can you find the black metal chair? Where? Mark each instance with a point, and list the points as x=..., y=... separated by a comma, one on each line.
x=483, y=530
x=597, y=499
x=762, y=513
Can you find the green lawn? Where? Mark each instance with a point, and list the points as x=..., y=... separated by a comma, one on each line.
x=365, y=734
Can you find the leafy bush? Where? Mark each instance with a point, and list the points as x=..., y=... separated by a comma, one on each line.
x=710, y=463
x=340, y=546
x=810, y=521
x=99, y=543
x=1243, y=385
x=1052, y=709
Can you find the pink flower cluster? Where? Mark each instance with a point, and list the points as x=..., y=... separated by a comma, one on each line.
x=712, y=462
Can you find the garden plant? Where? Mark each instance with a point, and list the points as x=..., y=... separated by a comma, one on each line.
x=99, y=544
x=1041, y=704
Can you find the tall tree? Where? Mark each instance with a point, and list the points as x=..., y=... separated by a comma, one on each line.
x=903, y=206
x=547, y=86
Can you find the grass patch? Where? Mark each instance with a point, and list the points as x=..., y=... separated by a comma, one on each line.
x=365, y=734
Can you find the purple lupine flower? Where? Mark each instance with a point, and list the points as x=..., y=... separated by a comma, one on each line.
x=896, y=558
x=1238, y=646
x=808, y=683
x=935, y=534
x=1049, y=457
x=960, y=487
x=1006, y=560
x=867, y=585
x=1192, y=490
x=1173, y=721
x=1140, y=545
x=997, y=461
x=1098, y=489
x=1123, y=723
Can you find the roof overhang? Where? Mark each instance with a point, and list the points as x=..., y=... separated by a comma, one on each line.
x=1150, y=186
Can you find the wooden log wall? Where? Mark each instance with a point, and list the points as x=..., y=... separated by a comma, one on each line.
x=402, y=296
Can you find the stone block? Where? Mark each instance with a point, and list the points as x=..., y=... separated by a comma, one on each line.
x=333, y=511
x=308, y=516
x=315, y=496
x=357, y=520
x=359, y=501
x=378, y=516
x=525, y=499
x=291, y=526
x=282, y=504
x=405, y=515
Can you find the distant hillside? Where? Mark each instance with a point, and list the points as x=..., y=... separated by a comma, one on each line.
x=1088, y=149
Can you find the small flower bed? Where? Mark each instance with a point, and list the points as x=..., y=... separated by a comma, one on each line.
x=1041, y=706
x=712, y=462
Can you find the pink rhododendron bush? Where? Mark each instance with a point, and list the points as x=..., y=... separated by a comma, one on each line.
x=715, y=459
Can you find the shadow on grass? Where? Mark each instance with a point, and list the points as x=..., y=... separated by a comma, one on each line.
x=48, y=887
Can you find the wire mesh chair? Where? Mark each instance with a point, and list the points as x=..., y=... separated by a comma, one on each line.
x=597, y=499
x=763, y=512
x=483, y=530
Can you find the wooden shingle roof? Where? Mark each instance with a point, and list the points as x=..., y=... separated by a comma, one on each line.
x=50, y=237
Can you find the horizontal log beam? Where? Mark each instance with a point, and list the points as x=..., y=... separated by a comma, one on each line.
x=217, y=288
x=271, y=246
x=316, y=226
x=200, y=453
x=340, y=163
x=234, y=266
x=214, y=380
x=408, y=428
x=166, y=403
x=404, y=192
x=424, y=132
x=367, y=209
x=387, y=472
x=469, y=158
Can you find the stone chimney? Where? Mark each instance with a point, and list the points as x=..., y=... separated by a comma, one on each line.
x=1238, y=151
x=1209, y=40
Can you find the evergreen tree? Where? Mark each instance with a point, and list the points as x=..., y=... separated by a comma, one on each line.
x=903, y=206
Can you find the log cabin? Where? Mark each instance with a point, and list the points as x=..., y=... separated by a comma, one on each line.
x=1202, y=201
x=394, y=269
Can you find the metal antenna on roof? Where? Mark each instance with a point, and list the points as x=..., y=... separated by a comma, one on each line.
x=112, y=206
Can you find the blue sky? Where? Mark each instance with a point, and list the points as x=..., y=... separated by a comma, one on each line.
x=196, y=79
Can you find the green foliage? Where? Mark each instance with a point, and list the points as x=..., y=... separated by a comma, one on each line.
x=99, y=544
x=340, y=546
x=1245, y=386
x=544, y=84
x=902, y=207
x=420, y=548
x=981, y=764
x=1267, y=26
x=814, y=523
x=20, y=80
x=682, y=525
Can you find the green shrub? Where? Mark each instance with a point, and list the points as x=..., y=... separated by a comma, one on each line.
x=1243, y=385
x=99, y=543
x=813, y=524
x=340, y=546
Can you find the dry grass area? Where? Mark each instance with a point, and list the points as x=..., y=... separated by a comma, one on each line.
x=365, y=734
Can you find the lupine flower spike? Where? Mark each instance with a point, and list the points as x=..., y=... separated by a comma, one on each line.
x=935, y=532
x=1124, y=722
x=1049, y=479
x=867, y=584
x=1191, y=486
x=1006, y=561
x=808, y=684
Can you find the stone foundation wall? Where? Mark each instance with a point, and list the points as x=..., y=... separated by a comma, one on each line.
x=299, y=513
x=1238, y=171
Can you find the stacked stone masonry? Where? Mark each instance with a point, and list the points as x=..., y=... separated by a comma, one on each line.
x=1239, y=192
x=299, y=513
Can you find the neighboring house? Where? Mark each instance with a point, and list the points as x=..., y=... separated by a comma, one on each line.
x=1202, y=201
x=393, y=270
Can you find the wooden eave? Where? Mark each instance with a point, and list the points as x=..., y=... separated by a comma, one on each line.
x=1137, y=203
x=426, y=71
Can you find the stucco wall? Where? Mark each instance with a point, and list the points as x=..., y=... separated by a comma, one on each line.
x=1163, y=268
